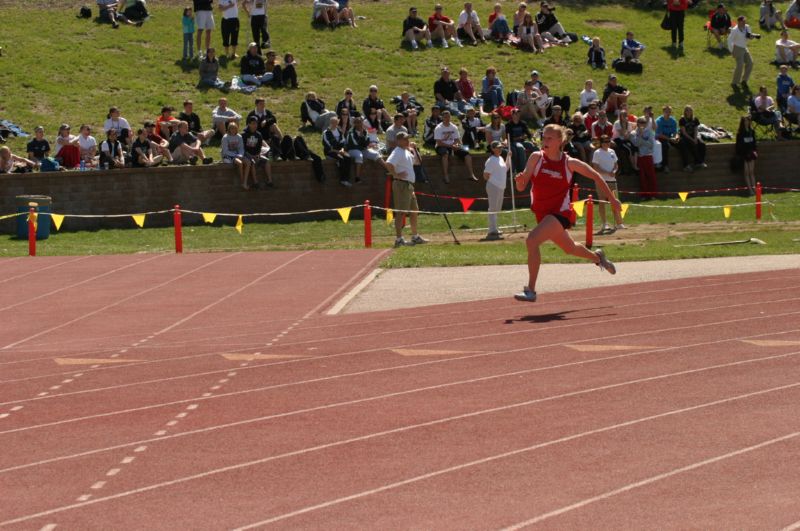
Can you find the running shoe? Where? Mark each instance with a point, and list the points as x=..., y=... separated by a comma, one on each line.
x=400, y=242
x=527, y=295
x=418, y=240
x=606, y=228
x=605, y=264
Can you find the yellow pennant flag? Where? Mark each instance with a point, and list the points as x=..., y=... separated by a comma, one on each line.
x=727, y=211
x=683, y=196
x=389, y=216
x=35, y=218
x=209, y=218
x=345, y=213
x=578, y=207
x=623, y=210
x=58, y=219
x=138, y=219
x=239, y=225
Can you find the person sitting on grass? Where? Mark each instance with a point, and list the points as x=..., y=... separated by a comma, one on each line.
x=359, y=147
x=10, y=163
x=769, y=17
x=766, y=111
x=786, y=50
x=67, y=153
x=256, y=152
x=347, y=103
x=391, y=132
x=232, y=150
x=372, y=101
x=325, y=12
x=38, y=148
x=158, y=144
x=631, y=48
x=442, y=27
x=492, y=89
x=188, y=115
x=415, y=29
x=252, y=67
x=88, y=146
x=604, y=161
x=209, y=72
x=448, y=142
x=784, y=84
x=346, y=13
x=166, y=123
x=614, y=94
x=111, y=154
x=285, y=76
x=597, y=55
x=186, y=148
x=110, y=11
x=142, y=152
x=720, y=25
x=587, y=95
x=792, y=114
x=222, y=115
x=445, y=90
x=469, y=26
x=467, y=90
x=499, y=29
x=528, y=34
x=410, y=110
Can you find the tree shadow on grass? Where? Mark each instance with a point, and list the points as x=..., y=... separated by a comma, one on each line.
x=556, y=316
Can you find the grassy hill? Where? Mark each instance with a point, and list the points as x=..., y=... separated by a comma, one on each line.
x=58, y=68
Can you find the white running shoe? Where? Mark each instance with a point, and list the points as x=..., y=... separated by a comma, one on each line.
x=605, y=264
x=527, y=295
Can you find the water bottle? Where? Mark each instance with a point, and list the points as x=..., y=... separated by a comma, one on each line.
x=83, y=165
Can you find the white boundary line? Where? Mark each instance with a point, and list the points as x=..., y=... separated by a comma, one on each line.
x=649, y=480
x=413, y=391
x=350, y=295
x=407, y=481
x=36, y=271
x=792, y=527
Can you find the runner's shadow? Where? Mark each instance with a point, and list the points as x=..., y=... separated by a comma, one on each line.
x=556, y=316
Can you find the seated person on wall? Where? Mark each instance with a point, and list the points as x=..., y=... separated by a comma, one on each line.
x=359, y=147
x=720, y=25
x=526, y=102
x=222, y=115
x=256, y=152
x=792, y=114
x=692, y=147
x=142, y=152
x=519, y=138
x=597, y=54
x=474, y=128
x=252, y=67
x=115, y=121
x=587, y=95
x=467, y=90
x=430, y=126
x=325, y=12
x=372, y=101
x=446, y=92
x=67, y=153
x=601, y=126
x=267, y=123
x=784, y=84
x=334, y=144
x=631, y=48
x=499, y=30
x=469, y=26
x=769, y=17
x=442, y=27
x=158, y=144
x=188, y=115
x=766, y=112
x=667, y=134
x=209, y=72
x=786, y=50
x=232, y=151
x=492, y=89
x=347, y=103
x=185, y=147
x=38, y=148
x=496, y=132
x=111, y=154
x=410, y=109
x=614, y=94
x=88, y=146
x=313, y=111
x=415, y=29
x=10, y=163
x=448, y=142
x=166, y=123
x=581, y=137
x=391, y=132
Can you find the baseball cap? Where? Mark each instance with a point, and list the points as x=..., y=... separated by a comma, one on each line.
x=611, y=76
x=534, y=72
x=496, y=144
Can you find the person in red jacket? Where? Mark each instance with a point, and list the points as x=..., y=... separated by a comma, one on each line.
x=677, y=13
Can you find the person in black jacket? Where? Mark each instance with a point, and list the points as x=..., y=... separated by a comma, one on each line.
x=720, y=25
x=374, y=102
x=334, y=143
x=267, y=123
x=347, y=103
x=414, y=29
x=746, y=150
x=359, y=147
x=252, y=67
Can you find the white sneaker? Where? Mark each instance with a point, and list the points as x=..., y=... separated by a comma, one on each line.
x=430, y=43
x=414, y=45
x=346, y=184
x=606, y=228
x=527, y=295
x=605, y=264
x=458, y=42
x=418, y=240
x=621, y=226
x=444, y=44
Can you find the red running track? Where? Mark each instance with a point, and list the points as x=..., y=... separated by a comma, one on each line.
x=211, y=391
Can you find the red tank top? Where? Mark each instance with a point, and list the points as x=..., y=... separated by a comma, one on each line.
x=550, y=186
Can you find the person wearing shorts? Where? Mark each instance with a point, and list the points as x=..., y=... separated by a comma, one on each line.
x=204, y=21
x=550, y=173
x=448, y=142
x=401, y=166
x=604, y=161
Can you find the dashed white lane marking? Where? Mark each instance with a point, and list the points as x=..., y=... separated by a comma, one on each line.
x=17, y=408
x=4, y=415
x=181, y=415
x=232, y=374
x=192, y=406
x=54, y=387
x=95, y=367
x=113, y=472
x=98, y=485
x=224, y=380
x=115, y=355
x=77, y=375
x=243, y=364
x=43, y=393
x=84, y=497
x=214, y=388
x=127, y=460
x=123, y=351
x=206, y=395
x=159, y=433
x=793, y=527
x=172, y=423
x=140, y=449
x=48, y=527
x=68, y=380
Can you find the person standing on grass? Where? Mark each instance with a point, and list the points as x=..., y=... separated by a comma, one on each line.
x=401, y=166
x=737, y=44
x=677, y=14
x=495, y=172
x=204, y=20
x=230, y=26
x=550, y=173
x=257, y=9
x=746, y=150
x=604, y=161
x=187, y=23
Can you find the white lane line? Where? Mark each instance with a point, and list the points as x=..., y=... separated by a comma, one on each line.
x=127, y=460
x=358, y=288
x=214, y=388
x=172, y=423
x=159, y=433
x=55, y=387
x=652, y=479
x=519, y=451
x=224, y=380
x=48, y=527
x=415, y=479
x=123, y=351
x=192, y=406
x=465, y=338
x=116, y=355
x=429, y=362
x=9, y=279
x=408, y=427
x=113, y=472
x=231, y=374
x=17, y=408
x=43, y=393
x=181, y=415
x=84, y=497
x=117, y=302
x=793, y=527
x=98, y=485
x=140, y=449
x=68, y=380
x=4, y=415
x=78, y=375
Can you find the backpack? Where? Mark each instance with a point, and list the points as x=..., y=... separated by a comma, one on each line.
x=85, y=12
x=630, y=67
x=49, y=164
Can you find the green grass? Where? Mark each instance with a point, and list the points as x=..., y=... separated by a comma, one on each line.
x=75, y=73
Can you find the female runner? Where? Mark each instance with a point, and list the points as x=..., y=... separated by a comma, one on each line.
x=550, y=172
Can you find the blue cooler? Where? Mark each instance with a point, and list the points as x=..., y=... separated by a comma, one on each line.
x=43, y=204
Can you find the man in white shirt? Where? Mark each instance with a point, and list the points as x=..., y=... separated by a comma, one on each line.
x=230, y=26
x=737, y=44
x=604, y=161
x=448, y=142
x=469, y=25
x=401, y=166
x=222, y=115
x=257, y=9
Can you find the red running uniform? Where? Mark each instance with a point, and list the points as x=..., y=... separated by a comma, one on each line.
x=550, y=189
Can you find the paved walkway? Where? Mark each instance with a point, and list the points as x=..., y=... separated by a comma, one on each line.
x=409, y=288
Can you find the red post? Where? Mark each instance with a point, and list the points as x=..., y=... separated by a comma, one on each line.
x=176, y=218
x=574, y=192
x=589, y=221
x=758, y=201
x=32, y=231
x=367, y=224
